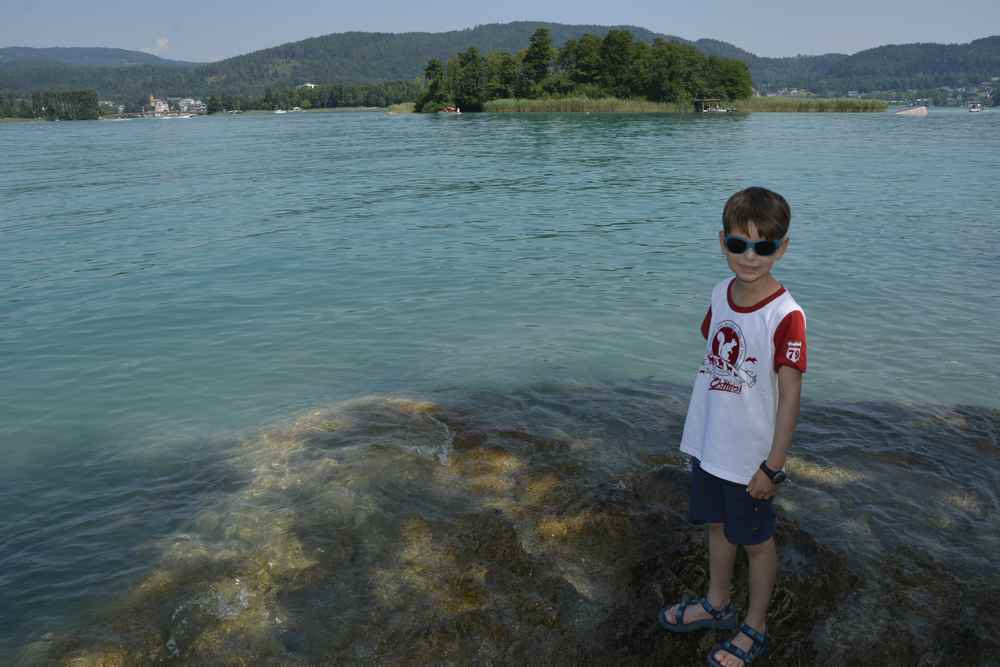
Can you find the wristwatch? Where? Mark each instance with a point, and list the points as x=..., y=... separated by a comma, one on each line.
x=776, y=476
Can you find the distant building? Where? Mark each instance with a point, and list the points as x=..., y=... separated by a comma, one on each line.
x=190, y=105
x=853, y=93
x=158, y=105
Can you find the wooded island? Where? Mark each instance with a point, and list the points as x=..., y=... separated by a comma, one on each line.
x=617, y=66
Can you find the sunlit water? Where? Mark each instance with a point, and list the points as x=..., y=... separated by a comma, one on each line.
x=171, y=290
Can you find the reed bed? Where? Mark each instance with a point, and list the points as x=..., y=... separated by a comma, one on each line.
x=808, y=104
x=583, y=104
x=404, y=107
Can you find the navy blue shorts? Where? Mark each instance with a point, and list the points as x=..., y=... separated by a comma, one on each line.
x=713, y=500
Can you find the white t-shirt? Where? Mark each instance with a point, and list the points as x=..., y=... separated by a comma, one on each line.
x=730, y=420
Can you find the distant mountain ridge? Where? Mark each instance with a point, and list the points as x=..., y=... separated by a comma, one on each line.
x=357, y=57
x=82, y=55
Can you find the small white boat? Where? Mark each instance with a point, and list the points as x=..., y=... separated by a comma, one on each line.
x=975, y=107
x=913, y=111
x=280, y=111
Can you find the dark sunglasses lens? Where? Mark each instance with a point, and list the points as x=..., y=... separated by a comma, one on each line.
x=735, y=245
x=766, y=248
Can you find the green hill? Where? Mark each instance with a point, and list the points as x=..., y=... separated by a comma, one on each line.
x=83, y=56
x=356, y=57
x=905, y=66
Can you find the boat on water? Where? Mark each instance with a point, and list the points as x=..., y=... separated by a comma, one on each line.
x=976, y=107
x=920, y=112
x=280, y=111
x=451, y=110
x=711, y=105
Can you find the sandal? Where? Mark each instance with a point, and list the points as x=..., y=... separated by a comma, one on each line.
x=721, y=619
x=758, y=649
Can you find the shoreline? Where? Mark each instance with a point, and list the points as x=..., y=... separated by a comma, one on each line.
x=751, y=105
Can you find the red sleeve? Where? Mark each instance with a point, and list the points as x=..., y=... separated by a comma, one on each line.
x=790, y=342
x=706, y=323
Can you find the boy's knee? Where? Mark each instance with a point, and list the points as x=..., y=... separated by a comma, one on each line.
x=764, y=547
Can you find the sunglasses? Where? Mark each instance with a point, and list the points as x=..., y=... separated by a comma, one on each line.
x=739, y=245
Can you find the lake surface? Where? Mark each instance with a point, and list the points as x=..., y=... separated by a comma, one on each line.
x=173, y=291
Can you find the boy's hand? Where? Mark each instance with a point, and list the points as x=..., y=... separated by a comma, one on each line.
x=761, y=487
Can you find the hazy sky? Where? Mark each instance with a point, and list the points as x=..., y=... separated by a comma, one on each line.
x=210, y=30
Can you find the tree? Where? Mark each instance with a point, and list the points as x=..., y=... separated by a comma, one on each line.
x=539, y=56
x=470, y=80
x=733, y=78
x=673, y=72
x=67, y=105
x=587, y=60
x=502, y=74
x=616, y=62
x=435, y=93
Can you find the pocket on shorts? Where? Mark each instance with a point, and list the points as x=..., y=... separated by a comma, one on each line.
x=760, y=518
x=749, y=521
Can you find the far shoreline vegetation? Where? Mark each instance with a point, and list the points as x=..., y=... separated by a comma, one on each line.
x=616, y=74
x=51, y=105
x=613, y=74
x=617, y=66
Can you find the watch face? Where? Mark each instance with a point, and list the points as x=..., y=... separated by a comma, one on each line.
x=779, y=477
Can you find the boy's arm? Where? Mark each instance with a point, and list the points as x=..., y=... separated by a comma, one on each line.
x=789, y=395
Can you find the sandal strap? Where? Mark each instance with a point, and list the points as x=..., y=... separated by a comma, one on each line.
x=754, y=635
x=717, y=614
x=686, y=601
x=729, y=647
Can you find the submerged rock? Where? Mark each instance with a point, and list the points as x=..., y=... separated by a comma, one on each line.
x=401, y=533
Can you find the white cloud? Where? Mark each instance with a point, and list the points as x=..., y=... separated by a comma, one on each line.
x=162, y=44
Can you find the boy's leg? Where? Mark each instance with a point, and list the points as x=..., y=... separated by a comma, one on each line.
x=707, y=506
x=763, y=572
x=763, y=559
x=721, y=561
x=751, y=523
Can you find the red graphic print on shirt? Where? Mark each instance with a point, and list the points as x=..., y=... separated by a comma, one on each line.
x=728, y=363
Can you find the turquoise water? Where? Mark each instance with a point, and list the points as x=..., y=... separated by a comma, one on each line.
x=169, y=289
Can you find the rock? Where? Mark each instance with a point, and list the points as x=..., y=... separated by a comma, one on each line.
x=513, y=550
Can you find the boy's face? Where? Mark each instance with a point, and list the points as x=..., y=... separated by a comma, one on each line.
x=750, y=267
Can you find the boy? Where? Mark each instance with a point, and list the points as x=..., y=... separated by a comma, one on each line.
x=740, y=421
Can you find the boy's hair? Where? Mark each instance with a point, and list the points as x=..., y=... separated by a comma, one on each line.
x=766, y=209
